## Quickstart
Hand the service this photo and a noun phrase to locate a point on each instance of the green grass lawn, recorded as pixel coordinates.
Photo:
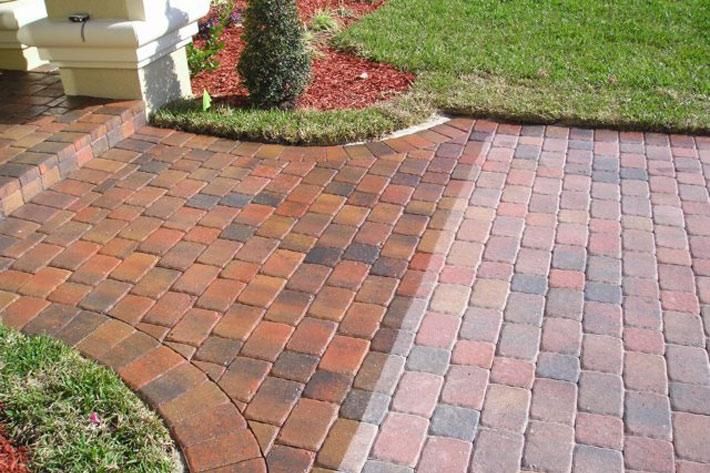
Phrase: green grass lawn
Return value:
(48, 393)
(628, 64)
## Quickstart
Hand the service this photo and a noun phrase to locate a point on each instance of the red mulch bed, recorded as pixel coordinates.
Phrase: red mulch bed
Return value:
(338, 81)
(12, 459)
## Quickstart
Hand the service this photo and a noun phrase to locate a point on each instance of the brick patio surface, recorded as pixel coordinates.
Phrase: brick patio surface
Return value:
(478, 297)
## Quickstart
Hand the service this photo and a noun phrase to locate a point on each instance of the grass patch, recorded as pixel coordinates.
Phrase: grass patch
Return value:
(324, 20)
(48, 393)
(629, 64)
(298, 127)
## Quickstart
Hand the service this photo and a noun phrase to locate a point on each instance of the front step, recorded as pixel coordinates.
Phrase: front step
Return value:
(45, 135)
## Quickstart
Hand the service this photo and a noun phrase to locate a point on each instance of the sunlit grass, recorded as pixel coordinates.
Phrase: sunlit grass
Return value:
(76, 416)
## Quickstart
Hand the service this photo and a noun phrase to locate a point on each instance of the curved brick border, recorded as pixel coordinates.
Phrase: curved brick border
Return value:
(209, 429)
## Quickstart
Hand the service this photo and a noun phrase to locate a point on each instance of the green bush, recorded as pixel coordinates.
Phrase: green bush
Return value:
(275, 64)
(204, 58)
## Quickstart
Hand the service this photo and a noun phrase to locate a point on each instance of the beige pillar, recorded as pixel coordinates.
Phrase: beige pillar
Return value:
(129, 49)
(14, 14)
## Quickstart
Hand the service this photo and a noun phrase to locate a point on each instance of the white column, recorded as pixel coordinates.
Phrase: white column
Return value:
(128, 49)
(14, 14)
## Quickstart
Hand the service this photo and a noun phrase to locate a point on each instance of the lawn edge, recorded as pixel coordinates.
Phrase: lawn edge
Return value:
(400, 118)
(412, 108)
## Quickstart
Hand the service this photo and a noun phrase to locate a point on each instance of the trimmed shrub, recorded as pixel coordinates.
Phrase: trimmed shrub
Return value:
(275, 64)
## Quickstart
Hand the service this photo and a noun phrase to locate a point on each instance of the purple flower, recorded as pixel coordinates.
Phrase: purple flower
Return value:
(234, 18)
(203, 30)
(206, 27)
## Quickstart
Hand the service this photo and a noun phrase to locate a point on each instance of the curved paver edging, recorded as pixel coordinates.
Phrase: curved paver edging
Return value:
(432, 121)
(208, 428)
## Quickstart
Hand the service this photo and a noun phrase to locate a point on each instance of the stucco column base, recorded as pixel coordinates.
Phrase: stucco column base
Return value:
(156, 83)
(15, 14)
(22, 58)
(139, 57)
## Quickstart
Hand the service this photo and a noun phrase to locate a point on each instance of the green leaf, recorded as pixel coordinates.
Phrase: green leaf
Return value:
(206, 101)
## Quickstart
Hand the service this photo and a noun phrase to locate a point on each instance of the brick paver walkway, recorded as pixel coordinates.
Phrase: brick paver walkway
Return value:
(477, 297)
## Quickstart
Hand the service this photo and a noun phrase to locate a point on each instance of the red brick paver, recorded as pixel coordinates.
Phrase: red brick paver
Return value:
(478, 297)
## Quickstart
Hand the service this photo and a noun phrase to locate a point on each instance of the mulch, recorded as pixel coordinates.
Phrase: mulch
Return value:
(339, 80)
(12, 459)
